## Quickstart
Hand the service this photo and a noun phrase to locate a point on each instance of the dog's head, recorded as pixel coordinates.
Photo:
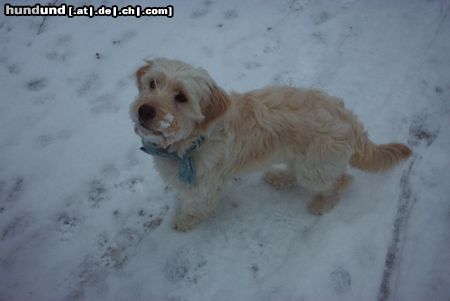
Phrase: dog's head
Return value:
(175, 101)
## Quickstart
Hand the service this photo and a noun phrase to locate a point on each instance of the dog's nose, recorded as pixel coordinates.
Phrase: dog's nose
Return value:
(146, 112)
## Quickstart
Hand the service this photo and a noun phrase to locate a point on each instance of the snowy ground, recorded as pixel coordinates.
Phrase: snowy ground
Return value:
(84, 216)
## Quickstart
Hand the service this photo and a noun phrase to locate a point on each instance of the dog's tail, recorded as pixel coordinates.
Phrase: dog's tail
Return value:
(371, 157)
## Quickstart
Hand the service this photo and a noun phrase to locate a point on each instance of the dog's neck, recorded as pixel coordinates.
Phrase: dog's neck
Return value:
(186, 169)
(181, 146)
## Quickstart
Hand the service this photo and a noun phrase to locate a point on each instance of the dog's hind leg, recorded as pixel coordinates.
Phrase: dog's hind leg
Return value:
(280, 179)
(323, 170)
(326, 200)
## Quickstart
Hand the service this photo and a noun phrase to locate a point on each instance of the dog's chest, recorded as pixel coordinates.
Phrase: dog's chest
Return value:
(208, 161)
(167, 168)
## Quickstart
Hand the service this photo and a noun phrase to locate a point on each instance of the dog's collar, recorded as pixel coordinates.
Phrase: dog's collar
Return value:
(186, 170)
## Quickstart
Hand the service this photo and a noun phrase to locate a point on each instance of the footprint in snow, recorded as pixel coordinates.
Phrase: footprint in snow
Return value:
(321, 18)
(203, 11)
(45, 140)
(422, 130)
(97, 194)
(252, 65)
(230, 14)
(341, 280)
(67, 223)
(37, 84)
(152, 221)
(11, 190)
(90, 83)
(104, 104)
(184, 265)
(14, 69)
(17, 226)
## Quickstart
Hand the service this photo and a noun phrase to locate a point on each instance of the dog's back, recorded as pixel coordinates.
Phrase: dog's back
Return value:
(279, 116)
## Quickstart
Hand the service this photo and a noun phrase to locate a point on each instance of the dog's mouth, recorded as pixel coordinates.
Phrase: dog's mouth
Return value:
(142, 130)
(153, 136)
(149, 130)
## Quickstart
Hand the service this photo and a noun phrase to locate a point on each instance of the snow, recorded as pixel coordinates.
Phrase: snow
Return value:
(166, 122)
(84, 216)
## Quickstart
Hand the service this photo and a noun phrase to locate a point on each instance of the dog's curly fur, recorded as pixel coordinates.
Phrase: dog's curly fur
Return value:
(312, 133)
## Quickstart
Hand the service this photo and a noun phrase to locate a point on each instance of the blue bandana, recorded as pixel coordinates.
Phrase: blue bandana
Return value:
(186, 171)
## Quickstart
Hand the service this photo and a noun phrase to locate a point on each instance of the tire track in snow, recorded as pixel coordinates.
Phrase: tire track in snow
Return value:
(406, 200)
(422, 132)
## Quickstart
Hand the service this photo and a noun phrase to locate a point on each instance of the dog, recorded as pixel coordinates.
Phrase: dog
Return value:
(201, 136)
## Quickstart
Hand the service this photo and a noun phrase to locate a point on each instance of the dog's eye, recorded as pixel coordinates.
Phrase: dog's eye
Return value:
(152, 84)
(180, 97)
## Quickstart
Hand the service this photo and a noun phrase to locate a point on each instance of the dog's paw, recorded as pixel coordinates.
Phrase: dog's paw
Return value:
(185, 222)
(280, 179)
(322, 204)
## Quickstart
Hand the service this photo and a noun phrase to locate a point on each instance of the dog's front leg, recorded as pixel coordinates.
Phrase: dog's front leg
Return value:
(195, 205)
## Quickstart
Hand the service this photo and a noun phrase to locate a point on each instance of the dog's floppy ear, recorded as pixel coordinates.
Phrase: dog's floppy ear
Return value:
(141, 71)
(216, 105)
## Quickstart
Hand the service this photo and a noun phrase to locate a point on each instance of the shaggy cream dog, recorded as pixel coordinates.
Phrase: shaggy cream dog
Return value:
(201, 136)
